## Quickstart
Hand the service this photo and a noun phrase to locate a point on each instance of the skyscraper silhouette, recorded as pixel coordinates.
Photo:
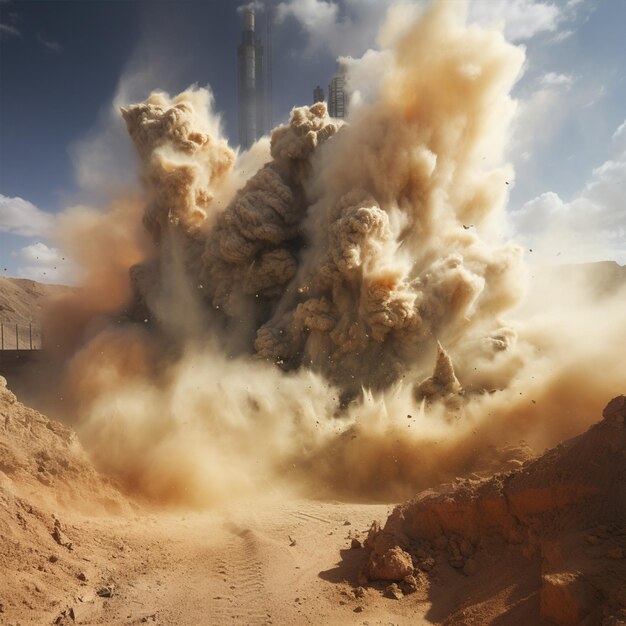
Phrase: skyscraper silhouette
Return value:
(337, 99)
(253, 116)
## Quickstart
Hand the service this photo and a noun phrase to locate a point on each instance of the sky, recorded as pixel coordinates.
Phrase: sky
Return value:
(66, 66)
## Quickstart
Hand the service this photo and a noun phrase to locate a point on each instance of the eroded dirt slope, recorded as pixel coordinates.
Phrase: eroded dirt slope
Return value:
(544, 544)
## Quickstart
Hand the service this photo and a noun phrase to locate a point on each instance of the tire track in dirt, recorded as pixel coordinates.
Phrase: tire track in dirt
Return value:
(246, 599)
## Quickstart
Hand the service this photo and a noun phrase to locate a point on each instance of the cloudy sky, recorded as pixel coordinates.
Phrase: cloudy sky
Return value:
(65, 67)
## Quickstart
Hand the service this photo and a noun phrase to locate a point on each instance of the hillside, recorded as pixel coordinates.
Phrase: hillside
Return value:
(23, 302)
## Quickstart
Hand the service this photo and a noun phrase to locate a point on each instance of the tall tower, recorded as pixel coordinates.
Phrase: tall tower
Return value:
(252, 110)
(269, 89)
(337, 97)
(318, 94)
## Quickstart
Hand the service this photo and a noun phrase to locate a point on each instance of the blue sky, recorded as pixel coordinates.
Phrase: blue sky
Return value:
(64, 65)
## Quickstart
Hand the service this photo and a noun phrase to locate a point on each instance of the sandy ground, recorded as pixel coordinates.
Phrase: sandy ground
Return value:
(271, 562)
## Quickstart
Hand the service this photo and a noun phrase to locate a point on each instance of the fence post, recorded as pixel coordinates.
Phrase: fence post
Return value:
(30, 334)
(17, 339)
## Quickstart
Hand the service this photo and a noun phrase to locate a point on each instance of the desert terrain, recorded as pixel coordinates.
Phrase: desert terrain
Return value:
(317, 381)
(543, 541)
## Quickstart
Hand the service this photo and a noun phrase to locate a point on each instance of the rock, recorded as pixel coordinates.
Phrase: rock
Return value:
(65, 617)
(514, 464)
(372, 533)
(60, 537)
(566, 599)
(457, 563)
(53, 558)
(394, 592)
(358, 609)
(359, 592)
(615, 412)
(394, 564)
(82, 576)
(418, 584)
(426, 564)
(469, 569)
(409, 585)
(355, 544)
(106, 591)
(347, 523)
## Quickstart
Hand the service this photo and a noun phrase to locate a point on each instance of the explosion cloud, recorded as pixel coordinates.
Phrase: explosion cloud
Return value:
(285, 322)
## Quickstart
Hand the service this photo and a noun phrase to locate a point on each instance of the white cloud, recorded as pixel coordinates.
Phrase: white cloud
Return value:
(554, 79)
(20, 217)
(562, 36)
(520, 19)
(619, 138)
(315, 16)
(39, 252)
(538, 117)
(348, 27)
(542, 113)
(592, 226)
(340, 29)
(45, 264)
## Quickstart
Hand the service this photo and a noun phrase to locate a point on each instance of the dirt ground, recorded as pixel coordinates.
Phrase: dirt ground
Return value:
(74, 550)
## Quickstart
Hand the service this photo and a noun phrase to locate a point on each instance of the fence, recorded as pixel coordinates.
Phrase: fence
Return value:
(20, 336)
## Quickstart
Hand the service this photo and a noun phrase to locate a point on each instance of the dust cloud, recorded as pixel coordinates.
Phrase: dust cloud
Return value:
(333, 310)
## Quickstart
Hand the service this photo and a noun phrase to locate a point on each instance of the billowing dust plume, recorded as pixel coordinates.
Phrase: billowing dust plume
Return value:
(279, 313)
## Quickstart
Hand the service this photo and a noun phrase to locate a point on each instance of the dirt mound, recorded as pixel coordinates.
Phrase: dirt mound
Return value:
(550, 536)
(42, 460)
(45, 478)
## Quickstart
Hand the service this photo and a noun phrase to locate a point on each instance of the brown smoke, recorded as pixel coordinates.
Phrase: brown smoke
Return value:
(287, 322)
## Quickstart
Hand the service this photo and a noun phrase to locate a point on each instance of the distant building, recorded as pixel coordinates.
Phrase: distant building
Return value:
(253, 116)
(318, 94)
(337, 97)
